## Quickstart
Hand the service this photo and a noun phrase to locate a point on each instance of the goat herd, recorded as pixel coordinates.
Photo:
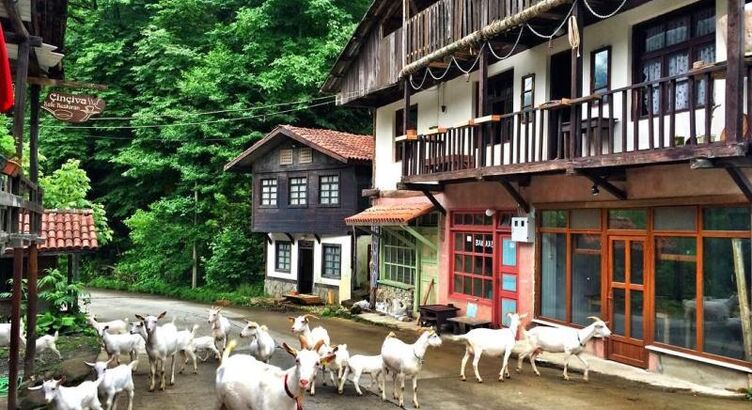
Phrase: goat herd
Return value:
(248, 381)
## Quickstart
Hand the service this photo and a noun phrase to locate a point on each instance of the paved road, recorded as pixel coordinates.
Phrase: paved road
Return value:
(439, 386)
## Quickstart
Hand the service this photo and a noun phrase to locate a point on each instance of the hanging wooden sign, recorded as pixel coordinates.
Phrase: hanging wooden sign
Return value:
(73, 108)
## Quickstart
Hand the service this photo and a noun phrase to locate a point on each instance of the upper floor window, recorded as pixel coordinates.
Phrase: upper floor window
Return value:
(668, 46)
(285, 157)
(329, 190)
(283, 256)
(600, 70)
(269, 192)
(299, 191)
(331, 261)
(528, 91)
(399, 128)
(305, 156)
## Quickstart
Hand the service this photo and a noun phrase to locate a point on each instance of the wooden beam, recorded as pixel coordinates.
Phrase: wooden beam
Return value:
(410, 186)
(34, 106)
(609, 187)
(290, 237)
(367, 230)
(521, 202)
(22, 72)
(370, 193)
(268, 239)
(49, 82)
(18, 25)
(734, 71)
(436, 204)
(318, 238)
(13, 38)
(15, 330)
(400, 237)
(741, 181)
(414, 232)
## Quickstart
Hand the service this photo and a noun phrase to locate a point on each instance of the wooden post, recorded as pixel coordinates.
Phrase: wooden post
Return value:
(375, 245)
(31, 309)
(405, 125)
(735, 71)
(743, 295)
(575, 121)
(34, 96)
(22, 72)
(15, 331)
(483, 109)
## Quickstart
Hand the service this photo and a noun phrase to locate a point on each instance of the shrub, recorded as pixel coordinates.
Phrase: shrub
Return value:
(234, 252)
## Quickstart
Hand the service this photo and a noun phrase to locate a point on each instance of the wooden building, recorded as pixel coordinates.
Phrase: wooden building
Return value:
(305, 182)
(587, 157)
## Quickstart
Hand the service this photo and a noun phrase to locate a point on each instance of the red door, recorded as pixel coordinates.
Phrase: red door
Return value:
(507, 279)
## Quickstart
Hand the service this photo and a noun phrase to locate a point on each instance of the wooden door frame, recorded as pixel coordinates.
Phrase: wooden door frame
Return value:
(645, 288)
(498, 260)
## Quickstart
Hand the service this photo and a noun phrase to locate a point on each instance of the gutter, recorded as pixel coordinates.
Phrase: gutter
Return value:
(491, 30)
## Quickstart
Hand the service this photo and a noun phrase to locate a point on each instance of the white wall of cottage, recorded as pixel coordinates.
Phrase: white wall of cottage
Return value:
(457, 95)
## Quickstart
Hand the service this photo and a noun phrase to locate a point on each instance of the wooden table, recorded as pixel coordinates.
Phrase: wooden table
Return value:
(437, 315)
(466, 324)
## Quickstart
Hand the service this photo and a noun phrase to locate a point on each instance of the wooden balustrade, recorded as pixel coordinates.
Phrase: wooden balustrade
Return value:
(447, 21)
(663, 114)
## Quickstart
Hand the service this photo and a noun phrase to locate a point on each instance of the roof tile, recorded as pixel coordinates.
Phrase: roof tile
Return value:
(66, 230)
(393, 214)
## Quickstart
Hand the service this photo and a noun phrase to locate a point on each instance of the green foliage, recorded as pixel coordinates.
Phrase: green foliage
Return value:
(67, 188)
(240, 296)
(61, 295)
(167, 62)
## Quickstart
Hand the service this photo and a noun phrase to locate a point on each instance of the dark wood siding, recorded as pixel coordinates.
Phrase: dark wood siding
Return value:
(313, 217)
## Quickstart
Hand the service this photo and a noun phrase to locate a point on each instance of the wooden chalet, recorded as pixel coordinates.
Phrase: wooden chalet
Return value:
(305, 182)
(34, 31)
(586, 157)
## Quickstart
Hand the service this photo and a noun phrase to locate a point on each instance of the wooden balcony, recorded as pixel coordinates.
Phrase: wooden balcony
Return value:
(447, 21)
(20, 211)
(640, 124)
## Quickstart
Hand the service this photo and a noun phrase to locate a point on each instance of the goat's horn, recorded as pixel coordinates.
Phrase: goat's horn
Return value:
(595, 318)
(318, 345)
(303, 342)
(309, 316)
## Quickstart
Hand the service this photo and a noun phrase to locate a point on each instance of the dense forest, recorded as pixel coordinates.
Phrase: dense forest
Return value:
(192, 83)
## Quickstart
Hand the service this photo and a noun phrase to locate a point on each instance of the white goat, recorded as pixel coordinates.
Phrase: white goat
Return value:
(185, 347)
(559, 339)
(718, 309)
(47, 342)
(161, 344)
(114, 326)
(359, 365)
(83, 396)
(406, 360)
(116, 344)
(220, 326)
(243, 382)
(5, 334)
(262, 343)
(300, 326)
(493, 342)
(114, 382)
(205, 344)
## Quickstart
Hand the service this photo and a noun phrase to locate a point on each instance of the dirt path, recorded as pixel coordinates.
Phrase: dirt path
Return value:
(439, 385)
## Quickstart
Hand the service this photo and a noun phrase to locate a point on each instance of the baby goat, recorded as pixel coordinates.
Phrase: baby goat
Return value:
(115, 381)
(47, 342)
(359, 365)
(83, 396)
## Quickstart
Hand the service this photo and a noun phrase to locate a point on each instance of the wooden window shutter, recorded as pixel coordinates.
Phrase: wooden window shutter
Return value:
(306, 156)
(285, 157)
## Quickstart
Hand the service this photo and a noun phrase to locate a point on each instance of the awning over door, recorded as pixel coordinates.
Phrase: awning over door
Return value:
(397, 214)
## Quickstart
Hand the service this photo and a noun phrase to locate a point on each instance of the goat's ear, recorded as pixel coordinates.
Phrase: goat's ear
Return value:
(105, 328)
(161, 315)
(61, 381)
(291, 319)
(328, 358)
(303, 342)
(139, 317)
(335, 348)
(290, 350)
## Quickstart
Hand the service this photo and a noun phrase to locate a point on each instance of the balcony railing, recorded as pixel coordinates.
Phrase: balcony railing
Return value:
(666, 116)
(447, 21)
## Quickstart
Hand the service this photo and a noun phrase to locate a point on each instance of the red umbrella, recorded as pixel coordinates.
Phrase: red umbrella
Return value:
(6, 78)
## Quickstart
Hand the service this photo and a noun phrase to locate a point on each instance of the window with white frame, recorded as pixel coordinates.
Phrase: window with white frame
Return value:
(329, 190)
(283, 256)
(331, 261)
(269, 192)
(298, 191)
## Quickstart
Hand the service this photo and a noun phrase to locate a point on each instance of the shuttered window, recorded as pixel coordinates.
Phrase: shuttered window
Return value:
(305, 156)
(285, 157)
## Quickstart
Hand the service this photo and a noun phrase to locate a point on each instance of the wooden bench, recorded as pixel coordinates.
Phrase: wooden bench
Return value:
(466, 324)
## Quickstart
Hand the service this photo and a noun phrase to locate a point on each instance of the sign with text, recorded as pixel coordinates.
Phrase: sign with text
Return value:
(73, 108)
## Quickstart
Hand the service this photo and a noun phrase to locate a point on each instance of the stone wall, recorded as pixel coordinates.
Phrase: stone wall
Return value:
(278, 287)
(322, 291)
(391, 292)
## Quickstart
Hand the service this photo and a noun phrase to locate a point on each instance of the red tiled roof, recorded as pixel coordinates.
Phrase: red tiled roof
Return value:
(342, 146)
(67, 230)
(392, 214)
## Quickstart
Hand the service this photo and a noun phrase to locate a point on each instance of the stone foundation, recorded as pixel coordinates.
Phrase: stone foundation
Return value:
(277, 287)
(322, 291)
(391, 292)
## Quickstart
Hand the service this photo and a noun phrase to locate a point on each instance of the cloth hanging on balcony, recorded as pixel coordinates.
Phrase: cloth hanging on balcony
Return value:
(574, 34)
(6, 78)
